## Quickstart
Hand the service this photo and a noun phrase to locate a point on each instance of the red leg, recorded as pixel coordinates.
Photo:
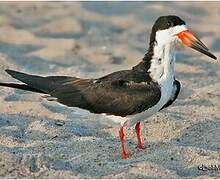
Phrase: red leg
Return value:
(124, 154)
(137, 130)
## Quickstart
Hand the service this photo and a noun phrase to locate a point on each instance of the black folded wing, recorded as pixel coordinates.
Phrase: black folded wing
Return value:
(119, 97)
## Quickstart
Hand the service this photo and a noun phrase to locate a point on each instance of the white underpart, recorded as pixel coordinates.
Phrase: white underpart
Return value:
(161, 71)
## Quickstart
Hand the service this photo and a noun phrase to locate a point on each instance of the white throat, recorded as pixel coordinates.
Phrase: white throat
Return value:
(163, 61)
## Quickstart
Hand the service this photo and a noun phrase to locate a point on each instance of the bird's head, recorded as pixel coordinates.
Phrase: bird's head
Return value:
(171, 30)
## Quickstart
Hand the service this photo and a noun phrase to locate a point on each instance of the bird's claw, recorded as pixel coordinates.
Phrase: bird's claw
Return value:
(124, 155)
(140, 146)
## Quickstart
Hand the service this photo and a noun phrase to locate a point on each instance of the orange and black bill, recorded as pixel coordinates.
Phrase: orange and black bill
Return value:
(190, 40)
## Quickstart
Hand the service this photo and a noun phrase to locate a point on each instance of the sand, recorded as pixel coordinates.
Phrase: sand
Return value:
(40, 139)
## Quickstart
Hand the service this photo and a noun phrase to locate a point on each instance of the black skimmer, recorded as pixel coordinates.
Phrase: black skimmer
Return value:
(129, 96)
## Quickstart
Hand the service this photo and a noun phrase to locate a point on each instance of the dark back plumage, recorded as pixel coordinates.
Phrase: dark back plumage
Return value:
(121, 93)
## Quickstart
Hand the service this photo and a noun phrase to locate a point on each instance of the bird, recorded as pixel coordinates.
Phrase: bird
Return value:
(126, 97)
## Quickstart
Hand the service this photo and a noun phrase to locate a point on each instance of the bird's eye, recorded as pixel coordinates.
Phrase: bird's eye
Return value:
(169, 24)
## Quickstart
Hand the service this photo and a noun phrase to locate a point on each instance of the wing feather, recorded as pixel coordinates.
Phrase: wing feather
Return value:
(118, 97)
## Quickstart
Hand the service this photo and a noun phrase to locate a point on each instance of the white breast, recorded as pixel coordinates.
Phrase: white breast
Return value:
(166, 92)
(130, 120)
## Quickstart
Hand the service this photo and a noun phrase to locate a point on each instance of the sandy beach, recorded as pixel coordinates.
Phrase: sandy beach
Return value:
(41, 139)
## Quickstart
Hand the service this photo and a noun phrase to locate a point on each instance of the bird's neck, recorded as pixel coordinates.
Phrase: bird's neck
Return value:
(159, 61)
(162, 62)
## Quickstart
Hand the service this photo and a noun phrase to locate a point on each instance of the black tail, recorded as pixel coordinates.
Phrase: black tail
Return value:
(22, 86)
(36, 83)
